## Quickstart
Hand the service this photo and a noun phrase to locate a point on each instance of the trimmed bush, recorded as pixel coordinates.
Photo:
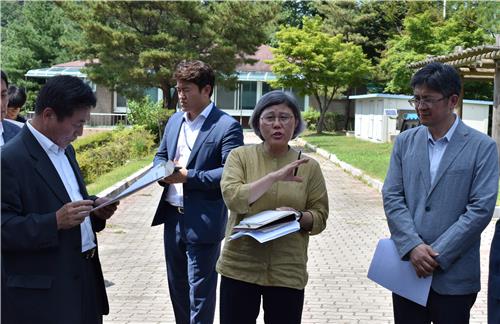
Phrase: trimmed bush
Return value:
(93, 140)
(150, 115)
(119, 147)
(333, 121)
(311, 118)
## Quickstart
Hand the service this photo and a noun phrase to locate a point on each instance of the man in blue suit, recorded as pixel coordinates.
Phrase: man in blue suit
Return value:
(7, 129)
(439, 195)
(198, 140)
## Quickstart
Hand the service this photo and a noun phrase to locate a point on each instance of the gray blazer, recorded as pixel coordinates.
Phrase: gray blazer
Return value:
(449, 214)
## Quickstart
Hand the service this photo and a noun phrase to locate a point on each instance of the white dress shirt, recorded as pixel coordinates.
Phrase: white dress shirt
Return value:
(187, 137)
(68, 178)
(2, 142)
(438, 147)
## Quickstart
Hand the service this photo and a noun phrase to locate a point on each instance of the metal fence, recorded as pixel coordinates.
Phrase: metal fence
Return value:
(99, 119)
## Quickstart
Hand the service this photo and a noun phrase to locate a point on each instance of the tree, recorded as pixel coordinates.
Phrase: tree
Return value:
(316, 63)
(427, 33)
(293, 12)
(34, 35)
(365, 23)
(139, 43)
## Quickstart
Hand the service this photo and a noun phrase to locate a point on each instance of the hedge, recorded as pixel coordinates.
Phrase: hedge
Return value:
(100, 153)
(333, 121)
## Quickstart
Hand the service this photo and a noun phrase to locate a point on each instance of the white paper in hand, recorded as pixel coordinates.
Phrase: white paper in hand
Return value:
(155, 173)
(388, 270)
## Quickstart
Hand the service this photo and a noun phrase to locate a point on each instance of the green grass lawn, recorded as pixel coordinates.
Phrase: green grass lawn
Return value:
(372, 158)
(118, 174)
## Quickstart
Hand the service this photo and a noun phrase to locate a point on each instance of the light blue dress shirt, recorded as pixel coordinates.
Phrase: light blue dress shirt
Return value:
(438, 147)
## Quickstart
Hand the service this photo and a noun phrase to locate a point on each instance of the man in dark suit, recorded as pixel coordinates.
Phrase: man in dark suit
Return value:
(199, 140)
(50, 265)
(7, 130)
(494, 279)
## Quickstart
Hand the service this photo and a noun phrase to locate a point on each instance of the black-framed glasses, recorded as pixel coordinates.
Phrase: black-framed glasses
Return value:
(270, 119)
(429, 102)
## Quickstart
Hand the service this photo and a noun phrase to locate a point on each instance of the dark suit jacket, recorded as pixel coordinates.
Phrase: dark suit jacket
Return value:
(9, 130)
(41, 266)
(205, 213)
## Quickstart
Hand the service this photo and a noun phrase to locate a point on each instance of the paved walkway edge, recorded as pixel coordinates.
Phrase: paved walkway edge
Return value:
(377, 184)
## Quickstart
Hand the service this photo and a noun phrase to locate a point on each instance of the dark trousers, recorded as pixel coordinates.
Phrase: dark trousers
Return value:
(240, 303)
(441, 309)
(192, 279)
(92, 300)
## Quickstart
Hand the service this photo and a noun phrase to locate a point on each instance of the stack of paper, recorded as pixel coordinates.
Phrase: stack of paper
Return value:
(388, 270)
(267, 225)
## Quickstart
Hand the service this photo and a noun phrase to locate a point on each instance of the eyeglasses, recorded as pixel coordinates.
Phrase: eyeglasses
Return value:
(268, 120)
(416, 102)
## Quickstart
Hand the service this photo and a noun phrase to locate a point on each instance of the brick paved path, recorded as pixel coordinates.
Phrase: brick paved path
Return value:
(338, 290)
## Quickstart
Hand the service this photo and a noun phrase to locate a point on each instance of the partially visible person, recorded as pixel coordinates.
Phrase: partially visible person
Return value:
(262, 177)
(51, 272)
(7, 130)
(199, 139)
(494, 279)
(439, 195)
(17, 99)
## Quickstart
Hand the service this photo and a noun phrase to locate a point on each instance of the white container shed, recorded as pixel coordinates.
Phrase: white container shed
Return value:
(376, 115)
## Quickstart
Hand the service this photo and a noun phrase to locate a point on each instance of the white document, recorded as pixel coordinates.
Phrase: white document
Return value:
(155, 173)
(269, 233)
(388, 270)
(263, 218)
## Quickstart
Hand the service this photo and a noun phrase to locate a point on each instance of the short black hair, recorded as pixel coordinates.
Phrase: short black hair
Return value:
(276, 97)
(64, 94)
(438, 77)
(198, 72)
(17, 97)
(4, 77)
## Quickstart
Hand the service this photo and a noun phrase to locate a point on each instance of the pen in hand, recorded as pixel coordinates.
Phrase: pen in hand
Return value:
(297, 168)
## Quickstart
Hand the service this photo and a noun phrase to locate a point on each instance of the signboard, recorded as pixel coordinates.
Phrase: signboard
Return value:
(391, 112)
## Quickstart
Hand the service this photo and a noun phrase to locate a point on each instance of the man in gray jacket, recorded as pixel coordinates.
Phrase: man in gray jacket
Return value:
(439, 195)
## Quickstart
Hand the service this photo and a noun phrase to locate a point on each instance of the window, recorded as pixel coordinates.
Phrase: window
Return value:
(120, 103)
(225, 98)
(266, 87)
(248, 95)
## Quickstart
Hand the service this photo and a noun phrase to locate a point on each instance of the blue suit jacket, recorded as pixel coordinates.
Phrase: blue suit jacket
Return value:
(42, 268)
(449, 214)
(205, 214)
(9, 130)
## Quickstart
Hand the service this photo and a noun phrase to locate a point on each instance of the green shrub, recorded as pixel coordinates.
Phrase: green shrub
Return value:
(311, 118)
(93, 140)
(123, 145)
(332, 122)
(149, 114)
